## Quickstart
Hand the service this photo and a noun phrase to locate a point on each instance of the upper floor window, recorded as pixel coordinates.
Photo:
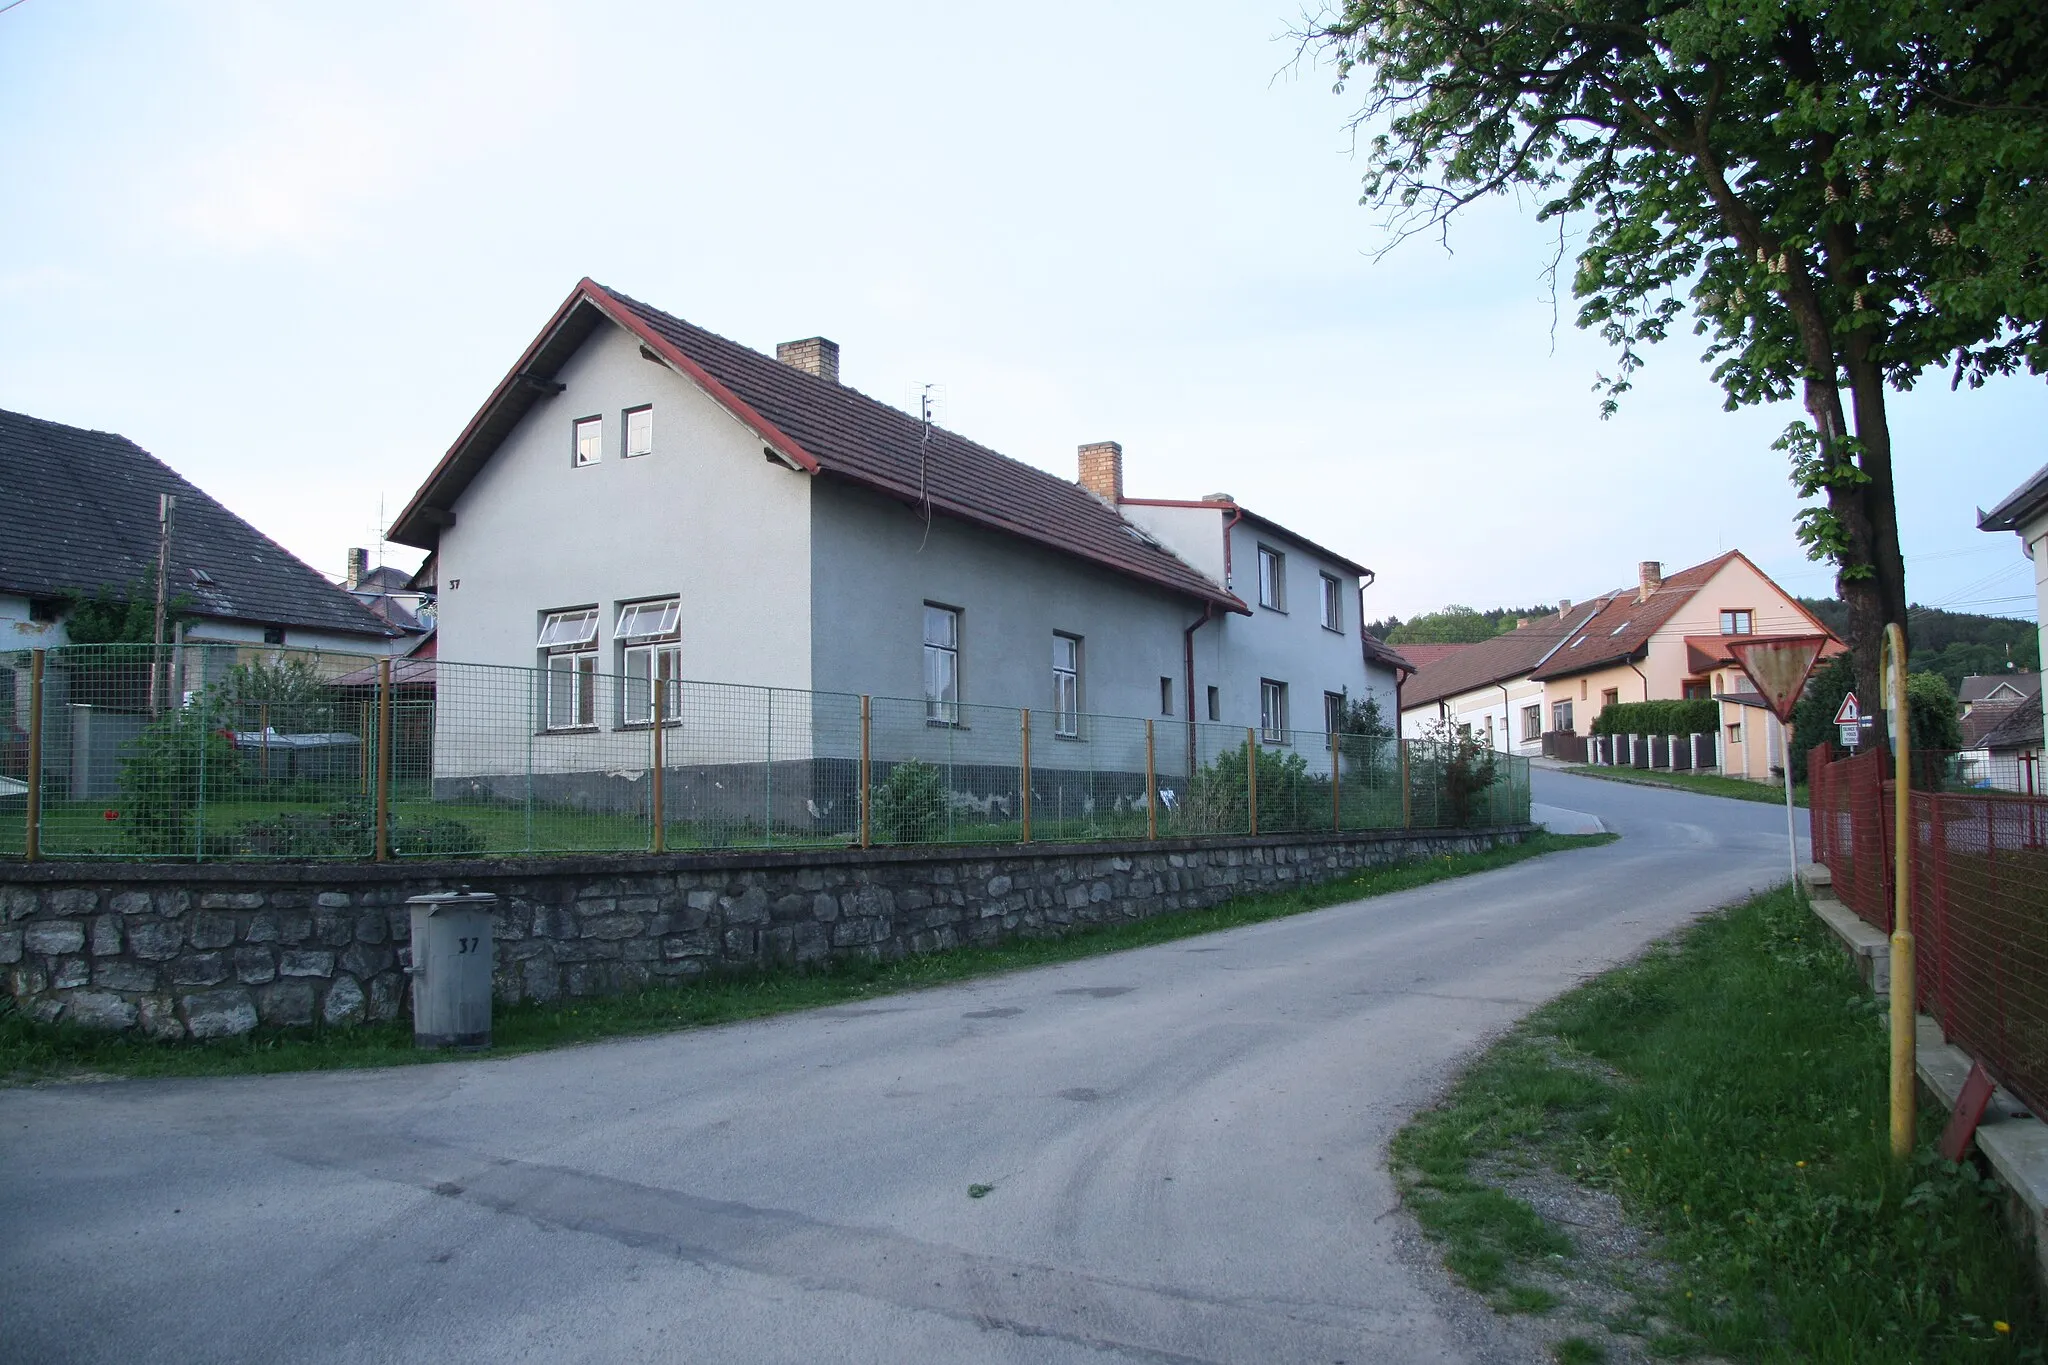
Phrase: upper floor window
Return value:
(1273, 711)
(1735, 623)
(1272, 579)
(589, 440)
(568, 642)
(639, 431)
(1333, 603)
(1066, 686)
(941, 665)
(650, 650)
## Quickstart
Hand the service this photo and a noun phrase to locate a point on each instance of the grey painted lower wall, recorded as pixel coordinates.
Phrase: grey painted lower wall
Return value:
(206, 951)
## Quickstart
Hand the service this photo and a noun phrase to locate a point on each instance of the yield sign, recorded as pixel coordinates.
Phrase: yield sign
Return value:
(1779, 665)
(1849, 713)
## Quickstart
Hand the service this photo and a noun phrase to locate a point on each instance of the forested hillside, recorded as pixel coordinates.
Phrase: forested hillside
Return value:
(1953, 644)
(1454, 625)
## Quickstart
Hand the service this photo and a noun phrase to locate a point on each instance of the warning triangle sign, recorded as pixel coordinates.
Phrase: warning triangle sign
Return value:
(1849, 712)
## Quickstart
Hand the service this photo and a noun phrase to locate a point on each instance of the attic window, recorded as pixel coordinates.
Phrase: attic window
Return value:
(568, 629)
(202, 577)
(642, 621)
(1619, 629)
(1576, 643)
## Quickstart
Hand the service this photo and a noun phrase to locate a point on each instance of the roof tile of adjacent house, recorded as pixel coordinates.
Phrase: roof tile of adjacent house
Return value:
(1512, 655)
(80, 513)
(825, 428)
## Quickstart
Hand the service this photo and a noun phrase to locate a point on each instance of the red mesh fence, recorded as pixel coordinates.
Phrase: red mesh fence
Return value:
(1979, 898)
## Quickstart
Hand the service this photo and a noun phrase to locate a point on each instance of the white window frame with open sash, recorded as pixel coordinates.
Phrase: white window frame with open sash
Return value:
(1066, 685)
(649, 634)
(568, 647)
(1332, 603)
(1272, 579)
(941, 664)
(1273, 711)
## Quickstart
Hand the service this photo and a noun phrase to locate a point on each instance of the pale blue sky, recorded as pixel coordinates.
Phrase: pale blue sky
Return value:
(290, 249)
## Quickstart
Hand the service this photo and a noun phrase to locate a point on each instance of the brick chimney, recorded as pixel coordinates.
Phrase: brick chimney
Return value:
(812, 355)
(1564, 605)
(1649, 577)
(358, 566)
(1102, 470)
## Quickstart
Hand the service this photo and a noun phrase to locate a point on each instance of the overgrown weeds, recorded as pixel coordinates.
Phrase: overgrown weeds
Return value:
(1730, 1090)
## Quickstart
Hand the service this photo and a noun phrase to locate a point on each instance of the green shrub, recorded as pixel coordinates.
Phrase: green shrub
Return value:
(1698, 716)
(910, 804)
(1290, 797)
(1452, 773)
(345, 831)
(176, 762)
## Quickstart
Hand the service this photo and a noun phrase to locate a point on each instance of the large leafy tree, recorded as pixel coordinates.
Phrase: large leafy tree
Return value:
(1846, 195)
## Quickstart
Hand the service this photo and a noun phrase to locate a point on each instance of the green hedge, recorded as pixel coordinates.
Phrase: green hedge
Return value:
(1698, 717)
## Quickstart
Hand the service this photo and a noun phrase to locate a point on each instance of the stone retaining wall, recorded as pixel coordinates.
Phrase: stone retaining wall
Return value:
(213, 950)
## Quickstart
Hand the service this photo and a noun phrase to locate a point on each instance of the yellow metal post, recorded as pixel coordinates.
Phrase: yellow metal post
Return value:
(867, 781)
(1904, 1097)
(660, 818)
(1024, 775)
(384, 760)
(1151, 787)
(1251, 774)
(1336, 786)
(32, 834)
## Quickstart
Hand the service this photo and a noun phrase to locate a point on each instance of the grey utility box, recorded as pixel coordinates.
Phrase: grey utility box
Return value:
(451, 968)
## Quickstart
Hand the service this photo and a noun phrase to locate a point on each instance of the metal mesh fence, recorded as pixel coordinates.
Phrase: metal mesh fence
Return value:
(1978, 895)
(255, 752)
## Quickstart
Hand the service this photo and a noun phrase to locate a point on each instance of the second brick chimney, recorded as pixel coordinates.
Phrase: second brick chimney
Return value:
(812, 355)
(1102, 470)
(1649, 577)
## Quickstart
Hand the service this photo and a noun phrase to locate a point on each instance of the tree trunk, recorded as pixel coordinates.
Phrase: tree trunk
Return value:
(1878, 598)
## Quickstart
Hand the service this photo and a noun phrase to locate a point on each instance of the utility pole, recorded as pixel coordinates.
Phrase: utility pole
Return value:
(166, 508)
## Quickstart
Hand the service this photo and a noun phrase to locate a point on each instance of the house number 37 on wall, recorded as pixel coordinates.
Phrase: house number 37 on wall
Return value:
(467, 945)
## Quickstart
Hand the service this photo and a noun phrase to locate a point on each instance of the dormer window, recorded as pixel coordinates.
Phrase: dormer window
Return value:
(589, 448)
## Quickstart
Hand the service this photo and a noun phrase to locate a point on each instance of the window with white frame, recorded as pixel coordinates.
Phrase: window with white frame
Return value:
(1273, 711)
(1532, 723)
(639, 431)
(1333, 712)
(568, 645)
(1333, 604)
(941, 665)
(649, 636)
(589, 446)
(1736, 623)
(1272, 578)
(1066, 685)
(1560, 715)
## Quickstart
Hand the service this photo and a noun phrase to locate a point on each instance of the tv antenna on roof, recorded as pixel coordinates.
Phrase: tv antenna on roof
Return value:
(924, 456)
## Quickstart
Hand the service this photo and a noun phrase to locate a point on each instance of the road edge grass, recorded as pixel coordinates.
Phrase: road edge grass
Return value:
(1701, 784)
(1728, 1090)
(31, 1051)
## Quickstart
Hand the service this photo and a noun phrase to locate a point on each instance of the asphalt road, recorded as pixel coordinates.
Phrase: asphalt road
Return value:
(1185, 1144)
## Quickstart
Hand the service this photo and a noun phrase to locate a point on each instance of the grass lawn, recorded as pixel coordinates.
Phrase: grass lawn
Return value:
(1730, 1091)
(1707, 784)
(31, 1051)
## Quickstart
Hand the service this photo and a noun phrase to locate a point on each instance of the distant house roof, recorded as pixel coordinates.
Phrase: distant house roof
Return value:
(1513, 655)
(2020, 728)
(383, 578)
(1422, 656)
(818, 426)
(2021, 506)
(1621, 631)
(1378, 651)
(1979, 687)
(80, 514)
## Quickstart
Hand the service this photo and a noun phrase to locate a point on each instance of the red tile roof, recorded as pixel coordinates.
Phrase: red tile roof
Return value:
(1512, 655)
(1422, 656)
(821, 427)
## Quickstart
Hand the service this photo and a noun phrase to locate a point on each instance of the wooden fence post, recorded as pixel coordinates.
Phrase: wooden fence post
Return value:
(1151, 787)
(867, 782)
(384, 760)
(1251, 774)
(1024, 773)
(660, 816)
(32, 833)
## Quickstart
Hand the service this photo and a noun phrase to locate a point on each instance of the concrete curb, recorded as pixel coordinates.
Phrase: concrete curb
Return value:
(2013, 1140)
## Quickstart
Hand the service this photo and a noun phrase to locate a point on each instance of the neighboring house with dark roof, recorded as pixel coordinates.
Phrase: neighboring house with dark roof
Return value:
(1668, 639)
(2024, 512)
(639, 495)
(1489, 686)
(80, 514)
(1980, 689)
(393, 596)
